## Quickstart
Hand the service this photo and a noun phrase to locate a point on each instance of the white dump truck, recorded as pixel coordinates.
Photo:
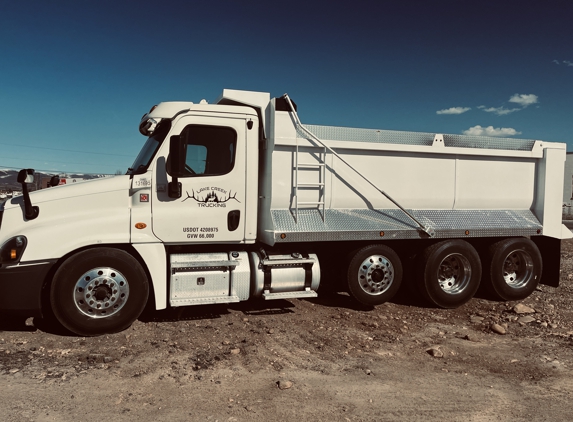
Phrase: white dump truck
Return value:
(238, 199)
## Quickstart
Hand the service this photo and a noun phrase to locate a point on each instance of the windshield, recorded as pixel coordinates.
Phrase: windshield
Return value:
(150, 148)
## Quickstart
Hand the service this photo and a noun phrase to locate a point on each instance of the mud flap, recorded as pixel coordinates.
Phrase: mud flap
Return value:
(550, 249)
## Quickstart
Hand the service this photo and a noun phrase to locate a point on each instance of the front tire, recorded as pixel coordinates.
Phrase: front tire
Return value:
(514, 269)
(449, 273)
(99, 291)
(374, 275)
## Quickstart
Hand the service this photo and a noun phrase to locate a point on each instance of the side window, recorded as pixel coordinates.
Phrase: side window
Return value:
(209, 150)
(196, 158)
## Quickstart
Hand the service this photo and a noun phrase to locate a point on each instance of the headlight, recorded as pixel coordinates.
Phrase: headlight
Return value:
(11, 251)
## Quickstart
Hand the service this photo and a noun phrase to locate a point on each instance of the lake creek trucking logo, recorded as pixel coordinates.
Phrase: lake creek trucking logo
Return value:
(211, 197)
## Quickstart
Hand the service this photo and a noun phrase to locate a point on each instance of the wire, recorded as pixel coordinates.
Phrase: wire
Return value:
(64, 162)
(52, 171)
(66, 150)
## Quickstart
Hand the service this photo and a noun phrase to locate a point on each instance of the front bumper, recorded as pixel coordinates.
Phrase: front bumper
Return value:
(21, 287)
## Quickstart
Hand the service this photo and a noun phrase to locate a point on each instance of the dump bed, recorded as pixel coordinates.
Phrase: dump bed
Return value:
(458, 186)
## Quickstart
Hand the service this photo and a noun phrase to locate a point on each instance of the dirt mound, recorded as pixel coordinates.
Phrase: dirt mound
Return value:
(321, 359)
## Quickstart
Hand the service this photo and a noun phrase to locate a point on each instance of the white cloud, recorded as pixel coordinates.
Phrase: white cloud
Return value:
(500, 111)
(491, 131)
(523, 100)
(454, 110)
(565, 62)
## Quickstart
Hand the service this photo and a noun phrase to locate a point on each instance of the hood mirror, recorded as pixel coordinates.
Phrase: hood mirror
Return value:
(26, 176)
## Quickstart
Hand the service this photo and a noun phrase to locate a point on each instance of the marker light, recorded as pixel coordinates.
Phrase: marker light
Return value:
(12, 250)
(140, 226)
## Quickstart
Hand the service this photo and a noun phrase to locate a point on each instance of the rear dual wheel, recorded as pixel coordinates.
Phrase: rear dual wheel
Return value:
(374, 274)
(513, 268)
(449, 273)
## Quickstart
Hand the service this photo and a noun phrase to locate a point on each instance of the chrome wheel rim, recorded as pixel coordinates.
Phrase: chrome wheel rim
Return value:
(454, 273)
(517, 269)
(375, 275)
(101, 292)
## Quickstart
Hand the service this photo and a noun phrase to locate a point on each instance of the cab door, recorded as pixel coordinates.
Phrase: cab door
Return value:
(212, 205)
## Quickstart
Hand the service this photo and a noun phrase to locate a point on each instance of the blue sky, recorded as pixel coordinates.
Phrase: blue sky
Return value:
(76, 76)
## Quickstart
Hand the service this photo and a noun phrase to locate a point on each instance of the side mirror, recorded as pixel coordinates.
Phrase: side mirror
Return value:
(176, 167)
(26, 176)
(54, 181)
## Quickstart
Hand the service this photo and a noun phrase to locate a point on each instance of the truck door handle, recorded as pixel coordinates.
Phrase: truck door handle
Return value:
(233, 219)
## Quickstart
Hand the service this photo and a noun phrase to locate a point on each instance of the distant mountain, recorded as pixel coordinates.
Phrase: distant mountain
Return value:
(8, 178)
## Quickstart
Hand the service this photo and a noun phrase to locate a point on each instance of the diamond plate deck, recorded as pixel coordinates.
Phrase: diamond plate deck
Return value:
(366, 224)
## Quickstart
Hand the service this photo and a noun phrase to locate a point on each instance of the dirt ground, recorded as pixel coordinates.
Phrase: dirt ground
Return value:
(313, 360)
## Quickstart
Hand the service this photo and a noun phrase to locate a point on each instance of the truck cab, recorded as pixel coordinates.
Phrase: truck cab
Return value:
(207, 191)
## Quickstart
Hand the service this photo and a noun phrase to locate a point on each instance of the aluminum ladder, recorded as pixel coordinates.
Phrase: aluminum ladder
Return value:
(319, 186)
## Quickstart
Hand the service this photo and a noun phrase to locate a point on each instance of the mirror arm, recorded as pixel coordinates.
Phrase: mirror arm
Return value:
(174, 188)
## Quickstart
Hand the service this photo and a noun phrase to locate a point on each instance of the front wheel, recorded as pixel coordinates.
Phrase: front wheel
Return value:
(99, 291)
(374, 275)
(449, 273)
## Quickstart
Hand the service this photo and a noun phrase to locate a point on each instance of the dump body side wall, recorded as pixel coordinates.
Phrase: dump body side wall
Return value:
(422, 175)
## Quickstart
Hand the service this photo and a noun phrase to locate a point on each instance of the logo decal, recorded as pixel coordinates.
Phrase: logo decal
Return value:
(214, 197)
(143, 197)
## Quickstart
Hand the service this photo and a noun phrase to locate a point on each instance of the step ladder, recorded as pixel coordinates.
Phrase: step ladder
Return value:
(302, 294)
(296, 260)
(319, 185)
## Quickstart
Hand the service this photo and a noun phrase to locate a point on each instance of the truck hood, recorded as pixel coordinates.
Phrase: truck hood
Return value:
(77, 190)
(71, 217)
